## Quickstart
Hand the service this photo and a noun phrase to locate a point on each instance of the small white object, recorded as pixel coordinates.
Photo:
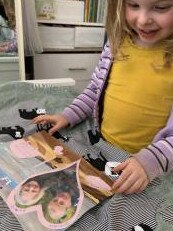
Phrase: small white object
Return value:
(109, 166)
(41, 111)
(18, 134)
(138, 228)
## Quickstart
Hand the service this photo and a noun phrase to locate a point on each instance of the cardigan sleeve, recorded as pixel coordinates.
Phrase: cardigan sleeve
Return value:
(83, 105)
(157, 158)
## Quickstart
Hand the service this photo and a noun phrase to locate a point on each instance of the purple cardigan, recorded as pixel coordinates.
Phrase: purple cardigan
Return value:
(157, 158)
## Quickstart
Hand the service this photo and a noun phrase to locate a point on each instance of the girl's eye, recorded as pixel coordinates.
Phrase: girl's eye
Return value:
(132, 5)
(162, 8)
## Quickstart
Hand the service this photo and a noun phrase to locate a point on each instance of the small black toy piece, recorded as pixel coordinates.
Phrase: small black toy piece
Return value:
(93, 138)
(29, 115)
(16, 132)
(98, 162)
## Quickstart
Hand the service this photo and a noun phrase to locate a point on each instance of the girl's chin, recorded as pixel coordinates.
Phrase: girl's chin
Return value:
(144, 42)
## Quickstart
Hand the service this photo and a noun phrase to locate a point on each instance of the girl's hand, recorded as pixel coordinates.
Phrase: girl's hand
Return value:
(133, 178)
(57, 121)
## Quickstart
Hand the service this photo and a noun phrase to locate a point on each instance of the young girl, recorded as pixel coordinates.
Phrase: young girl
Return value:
(131, 91)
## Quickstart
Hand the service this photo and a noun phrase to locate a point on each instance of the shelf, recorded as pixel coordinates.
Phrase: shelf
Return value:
(4, 59)
(92, 24)
(71, 50)
(58, 82)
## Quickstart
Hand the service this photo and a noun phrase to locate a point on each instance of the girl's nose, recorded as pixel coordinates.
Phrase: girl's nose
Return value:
(144, 18)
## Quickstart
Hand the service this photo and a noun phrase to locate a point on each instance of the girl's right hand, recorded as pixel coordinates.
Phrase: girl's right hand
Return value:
(57, 121)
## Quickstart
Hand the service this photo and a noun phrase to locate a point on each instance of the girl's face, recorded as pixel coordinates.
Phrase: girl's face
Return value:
(151, 20)
(30, 190)
(58, 205)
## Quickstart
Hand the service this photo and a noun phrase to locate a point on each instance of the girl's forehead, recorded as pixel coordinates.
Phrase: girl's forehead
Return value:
(150, 1)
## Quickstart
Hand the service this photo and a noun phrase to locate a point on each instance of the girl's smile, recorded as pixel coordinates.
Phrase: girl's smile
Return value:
(147, 34)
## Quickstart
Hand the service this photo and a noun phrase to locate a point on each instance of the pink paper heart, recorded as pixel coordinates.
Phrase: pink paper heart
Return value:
(22, 149)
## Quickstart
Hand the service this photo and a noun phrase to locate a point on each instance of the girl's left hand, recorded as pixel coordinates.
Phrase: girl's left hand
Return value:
(133, 178)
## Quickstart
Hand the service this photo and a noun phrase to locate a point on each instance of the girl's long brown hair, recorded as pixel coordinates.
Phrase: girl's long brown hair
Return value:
(117, 29)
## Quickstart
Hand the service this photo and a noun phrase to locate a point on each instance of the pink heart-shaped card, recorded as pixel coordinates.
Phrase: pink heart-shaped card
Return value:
(56, 196)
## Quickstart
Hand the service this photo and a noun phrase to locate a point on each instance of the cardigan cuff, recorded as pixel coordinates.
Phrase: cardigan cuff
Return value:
(71, 117)
(149, 163)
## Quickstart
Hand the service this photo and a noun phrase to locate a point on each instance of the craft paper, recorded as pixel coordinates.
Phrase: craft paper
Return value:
(6, 181)
(22, 149)
(56, 196)
(97, 183)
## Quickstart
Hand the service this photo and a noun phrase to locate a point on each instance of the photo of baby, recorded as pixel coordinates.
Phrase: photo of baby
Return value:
(60, 206)
(63, 203)
(30, 193)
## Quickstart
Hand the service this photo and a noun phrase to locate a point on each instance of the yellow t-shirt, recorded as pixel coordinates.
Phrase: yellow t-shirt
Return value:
(138, 98)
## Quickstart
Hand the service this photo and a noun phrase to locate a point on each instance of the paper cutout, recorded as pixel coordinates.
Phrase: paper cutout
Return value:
(98, 162)
(6, 181)
(58, 135)
(94, 136)
(98, 183)
(58, 150)
(56, 196)
(22, 149)
(16, 132)
(109, 168)
(142, 227)
(29, 115)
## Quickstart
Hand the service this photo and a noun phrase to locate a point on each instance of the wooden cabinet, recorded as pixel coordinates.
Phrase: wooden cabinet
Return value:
(12, 62)
(66, 65)
(71, 47)
(9, 69)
